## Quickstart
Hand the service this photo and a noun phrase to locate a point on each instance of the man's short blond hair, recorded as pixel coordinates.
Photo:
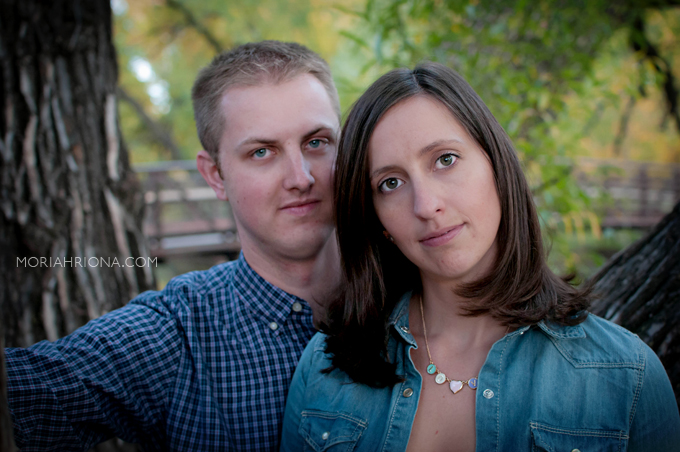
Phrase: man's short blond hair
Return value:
(251, 64)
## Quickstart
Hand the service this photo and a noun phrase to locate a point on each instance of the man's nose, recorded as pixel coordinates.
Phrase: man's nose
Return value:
(298, 172)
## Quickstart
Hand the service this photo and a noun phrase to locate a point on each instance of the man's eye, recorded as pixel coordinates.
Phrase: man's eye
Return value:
(260, 153)
(390, 184)
(446, 160)
(315, 144)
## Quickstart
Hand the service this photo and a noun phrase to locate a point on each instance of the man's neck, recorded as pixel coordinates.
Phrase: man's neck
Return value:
(314, 279)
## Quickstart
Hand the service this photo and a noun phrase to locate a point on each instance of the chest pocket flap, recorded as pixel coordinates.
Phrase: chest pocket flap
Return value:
(324, 431)
(556, 439)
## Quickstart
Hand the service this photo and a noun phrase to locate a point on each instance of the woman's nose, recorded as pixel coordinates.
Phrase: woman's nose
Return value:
(427, 202)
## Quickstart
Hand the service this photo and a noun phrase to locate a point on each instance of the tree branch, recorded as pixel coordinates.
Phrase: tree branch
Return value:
(623, 126)
(640, 43)
(564, 172)
(157, 130)
(195, 24)
(639, 289)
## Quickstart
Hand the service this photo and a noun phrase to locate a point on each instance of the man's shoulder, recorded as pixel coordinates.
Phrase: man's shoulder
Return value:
(204, 281)
(189, 288)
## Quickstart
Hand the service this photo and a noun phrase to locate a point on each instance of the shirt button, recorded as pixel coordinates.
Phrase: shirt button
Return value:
(405, 329)
(274, 326)
(488, 393)
(575, 450)
(325, 435)
(408, 392)
(297, 307)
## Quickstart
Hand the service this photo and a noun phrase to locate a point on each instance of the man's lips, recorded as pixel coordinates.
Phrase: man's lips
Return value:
(441, 236)
(301, 206)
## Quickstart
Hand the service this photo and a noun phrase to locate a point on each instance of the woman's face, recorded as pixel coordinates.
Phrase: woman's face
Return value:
(434, 191)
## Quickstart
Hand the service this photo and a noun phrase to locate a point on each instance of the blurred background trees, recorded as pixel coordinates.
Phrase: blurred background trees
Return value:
(584, 88)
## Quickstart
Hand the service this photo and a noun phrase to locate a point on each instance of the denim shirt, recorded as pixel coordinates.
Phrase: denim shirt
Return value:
(589, 387)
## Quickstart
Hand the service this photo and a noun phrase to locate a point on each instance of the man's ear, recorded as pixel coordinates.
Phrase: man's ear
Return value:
(211, 173)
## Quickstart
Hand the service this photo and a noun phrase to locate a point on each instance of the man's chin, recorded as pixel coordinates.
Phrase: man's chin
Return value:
(307, 245)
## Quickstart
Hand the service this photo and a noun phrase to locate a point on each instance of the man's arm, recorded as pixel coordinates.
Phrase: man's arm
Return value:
(109, 378)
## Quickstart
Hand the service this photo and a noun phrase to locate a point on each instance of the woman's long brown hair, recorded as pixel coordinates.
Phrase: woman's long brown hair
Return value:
(520, 290)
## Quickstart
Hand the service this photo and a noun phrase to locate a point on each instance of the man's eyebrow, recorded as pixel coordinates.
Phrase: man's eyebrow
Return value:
(320, 128)
(423, 151)
(255, 140)
(270, 141)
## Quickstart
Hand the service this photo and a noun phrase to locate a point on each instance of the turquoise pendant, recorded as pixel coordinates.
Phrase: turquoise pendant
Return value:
(472, 383)
(431, 369)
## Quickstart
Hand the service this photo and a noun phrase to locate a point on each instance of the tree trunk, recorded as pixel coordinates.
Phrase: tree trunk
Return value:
(6, 428)
(639, 288)
(70, 207)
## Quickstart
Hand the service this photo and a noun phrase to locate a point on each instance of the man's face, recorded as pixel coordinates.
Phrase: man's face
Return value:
(276, 159)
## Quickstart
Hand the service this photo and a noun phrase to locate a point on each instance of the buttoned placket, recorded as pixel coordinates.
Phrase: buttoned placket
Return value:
(275, 325)
(406, 393)
(489, 394)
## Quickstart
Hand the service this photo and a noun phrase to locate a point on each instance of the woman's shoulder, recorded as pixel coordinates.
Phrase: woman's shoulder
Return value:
(318, 342)
(598, 342)
(315, 357)
(614, 338)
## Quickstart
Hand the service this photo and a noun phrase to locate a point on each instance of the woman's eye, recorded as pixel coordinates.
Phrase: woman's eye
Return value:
(261, 153)
(390, 184)
(446, 160)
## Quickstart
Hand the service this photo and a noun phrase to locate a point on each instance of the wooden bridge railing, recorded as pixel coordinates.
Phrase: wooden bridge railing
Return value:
(183, 214)
(637, 194)
(185, 217)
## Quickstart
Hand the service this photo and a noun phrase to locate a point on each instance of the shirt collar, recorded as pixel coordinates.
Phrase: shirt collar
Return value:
(263, 299)
(399, 319)
(557, 331)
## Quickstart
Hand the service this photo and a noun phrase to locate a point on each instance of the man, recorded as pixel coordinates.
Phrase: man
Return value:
(205, 363)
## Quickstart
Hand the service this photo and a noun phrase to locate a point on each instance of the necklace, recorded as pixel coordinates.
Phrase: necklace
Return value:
(441, 378)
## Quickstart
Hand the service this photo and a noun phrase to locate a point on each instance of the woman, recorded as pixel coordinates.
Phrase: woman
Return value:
(451, 333)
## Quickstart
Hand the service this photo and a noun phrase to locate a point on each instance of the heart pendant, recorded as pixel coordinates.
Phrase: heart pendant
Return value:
(456, 386)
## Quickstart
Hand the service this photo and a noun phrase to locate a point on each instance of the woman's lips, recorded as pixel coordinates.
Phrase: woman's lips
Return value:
(442, 236)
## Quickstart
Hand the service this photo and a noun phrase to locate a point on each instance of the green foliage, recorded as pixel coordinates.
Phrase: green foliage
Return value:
(559, 76)
(528, 61)
(178, 37)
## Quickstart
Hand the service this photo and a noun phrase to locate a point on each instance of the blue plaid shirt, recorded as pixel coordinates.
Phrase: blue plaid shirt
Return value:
(204, 365)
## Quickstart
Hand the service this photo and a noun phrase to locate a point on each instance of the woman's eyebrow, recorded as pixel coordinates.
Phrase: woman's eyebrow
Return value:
(438, 143)
(383, 169)
(423, 151)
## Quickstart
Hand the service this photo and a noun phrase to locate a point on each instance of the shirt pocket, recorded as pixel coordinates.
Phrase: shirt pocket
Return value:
(336, 432)
(547, 438)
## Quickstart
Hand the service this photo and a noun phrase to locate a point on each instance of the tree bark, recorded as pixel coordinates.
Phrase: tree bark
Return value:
(67, 188)
(639, 288)
(6, 428)
(70, 206)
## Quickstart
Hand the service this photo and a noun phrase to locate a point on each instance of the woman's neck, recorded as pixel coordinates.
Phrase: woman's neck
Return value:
(445, 319)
